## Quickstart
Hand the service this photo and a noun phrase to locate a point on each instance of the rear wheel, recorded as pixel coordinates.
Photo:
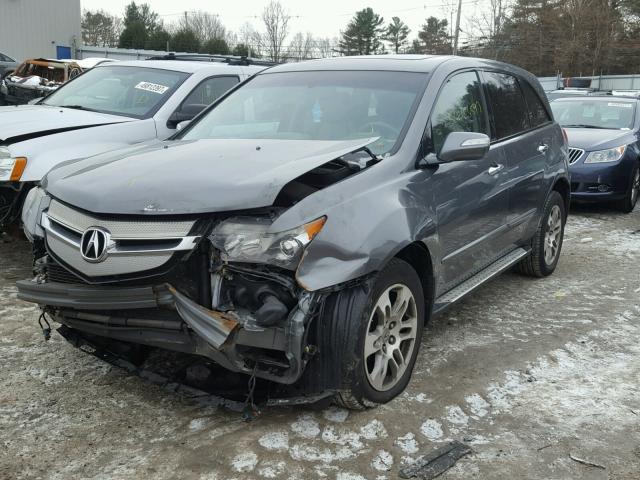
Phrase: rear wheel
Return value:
(628, 203)
(376, 335)
(546, 244)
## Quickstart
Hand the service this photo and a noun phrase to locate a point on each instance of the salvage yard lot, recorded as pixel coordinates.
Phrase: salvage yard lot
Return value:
(529, 373)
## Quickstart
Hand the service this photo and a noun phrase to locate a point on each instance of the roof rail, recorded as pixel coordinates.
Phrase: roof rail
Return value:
(205, 57)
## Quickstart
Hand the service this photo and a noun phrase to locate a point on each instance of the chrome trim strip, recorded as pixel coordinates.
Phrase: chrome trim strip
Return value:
(184, 243)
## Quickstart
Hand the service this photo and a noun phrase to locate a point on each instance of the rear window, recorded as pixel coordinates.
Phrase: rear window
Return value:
(508, 107)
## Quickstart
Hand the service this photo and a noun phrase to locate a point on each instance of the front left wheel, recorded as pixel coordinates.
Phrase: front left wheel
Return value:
(628, 203)
(375, 336)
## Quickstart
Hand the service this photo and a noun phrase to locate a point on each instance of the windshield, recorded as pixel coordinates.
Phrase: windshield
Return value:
(325, 105)
(131, 91)
(585, 113)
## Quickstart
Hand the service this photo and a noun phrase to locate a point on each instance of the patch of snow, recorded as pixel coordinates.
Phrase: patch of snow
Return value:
(407, 444)
(373, 430)
(335, 414)
(244, 462)
(310, 453)
(278, 440)
(342, 437)
(197, 424)
(383, 461)
(306, 426)
(432, 429)
(272, 469)
(478, 405)
(456, 416)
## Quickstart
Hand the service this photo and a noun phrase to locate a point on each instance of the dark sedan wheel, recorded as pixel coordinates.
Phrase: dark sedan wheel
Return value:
(547, 242)
(628, 203)
(375, 336)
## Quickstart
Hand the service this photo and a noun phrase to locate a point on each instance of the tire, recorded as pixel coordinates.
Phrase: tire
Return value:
(352, 318)
(541, 263)
(627, 204)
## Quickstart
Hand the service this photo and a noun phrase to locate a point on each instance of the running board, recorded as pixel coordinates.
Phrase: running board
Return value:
(496, 268)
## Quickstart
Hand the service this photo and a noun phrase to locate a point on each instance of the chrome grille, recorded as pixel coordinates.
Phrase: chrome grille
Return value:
(574, 154)
(134, 246)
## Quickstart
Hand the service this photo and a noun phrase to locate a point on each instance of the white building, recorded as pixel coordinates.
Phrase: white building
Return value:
(39, 28)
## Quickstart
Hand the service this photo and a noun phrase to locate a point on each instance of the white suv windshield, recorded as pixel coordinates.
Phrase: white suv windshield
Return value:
(131, 91)
(324, 105)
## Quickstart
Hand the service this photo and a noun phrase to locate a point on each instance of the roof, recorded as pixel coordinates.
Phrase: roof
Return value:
(406, 63)
(180, 65)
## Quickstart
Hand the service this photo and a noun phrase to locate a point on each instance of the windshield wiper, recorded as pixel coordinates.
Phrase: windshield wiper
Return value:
(78, 107)
(584, 126)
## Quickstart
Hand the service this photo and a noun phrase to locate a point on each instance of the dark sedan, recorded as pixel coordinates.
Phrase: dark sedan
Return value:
(604, 148)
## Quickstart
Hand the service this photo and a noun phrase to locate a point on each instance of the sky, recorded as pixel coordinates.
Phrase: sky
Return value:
(323, 18)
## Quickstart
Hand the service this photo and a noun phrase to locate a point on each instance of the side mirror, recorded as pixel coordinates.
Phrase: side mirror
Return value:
(460, 146)
(186, 112)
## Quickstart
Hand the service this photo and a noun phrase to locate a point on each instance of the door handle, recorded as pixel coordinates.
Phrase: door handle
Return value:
(543, 148)
(495, 168)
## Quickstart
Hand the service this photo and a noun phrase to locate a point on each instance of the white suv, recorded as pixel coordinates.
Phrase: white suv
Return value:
(110, 106)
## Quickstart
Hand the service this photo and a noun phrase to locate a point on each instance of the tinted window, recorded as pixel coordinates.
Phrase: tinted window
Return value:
(537, 113)
(331, 105)
(459, 108)
(507, 104)
(210, 90)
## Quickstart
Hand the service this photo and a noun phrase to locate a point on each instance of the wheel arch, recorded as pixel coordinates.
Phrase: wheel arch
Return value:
(417, 255)
(563, 187)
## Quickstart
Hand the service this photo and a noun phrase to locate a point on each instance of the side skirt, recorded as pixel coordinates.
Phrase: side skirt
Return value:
(496, 268)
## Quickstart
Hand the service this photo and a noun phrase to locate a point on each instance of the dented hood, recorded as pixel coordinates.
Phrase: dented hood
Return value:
(190, 177)
(31, 121)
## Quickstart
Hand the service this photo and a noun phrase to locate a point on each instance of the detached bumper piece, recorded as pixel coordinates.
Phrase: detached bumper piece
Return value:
(160, 316)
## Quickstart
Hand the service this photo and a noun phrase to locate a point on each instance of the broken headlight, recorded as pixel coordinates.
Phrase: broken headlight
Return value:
(34, 203)
(245, 239)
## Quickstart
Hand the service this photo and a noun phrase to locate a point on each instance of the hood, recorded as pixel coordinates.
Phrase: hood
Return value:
(591, 139)
(190, 177)
(30, 121)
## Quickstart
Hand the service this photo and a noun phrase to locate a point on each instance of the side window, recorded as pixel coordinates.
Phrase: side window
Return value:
(459, 108)
(210, 90)
(538, 115)
(507, 104)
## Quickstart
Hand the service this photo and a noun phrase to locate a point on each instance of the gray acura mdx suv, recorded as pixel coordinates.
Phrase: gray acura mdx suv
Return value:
(304, 227)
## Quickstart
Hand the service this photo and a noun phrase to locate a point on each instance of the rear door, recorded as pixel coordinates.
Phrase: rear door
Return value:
(470, 196)
(523, 131)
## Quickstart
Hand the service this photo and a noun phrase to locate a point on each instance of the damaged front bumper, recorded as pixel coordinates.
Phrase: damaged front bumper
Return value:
(161, 316)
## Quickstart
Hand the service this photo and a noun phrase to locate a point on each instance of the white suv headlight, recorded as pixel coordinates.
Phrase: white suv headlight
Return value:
(605, 156)
(34, 203)
(11, 168)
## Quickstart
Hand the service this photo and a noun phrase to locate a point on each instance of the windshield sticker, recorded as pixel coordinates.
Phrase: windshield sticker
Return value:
(622, 105)
(152, 87)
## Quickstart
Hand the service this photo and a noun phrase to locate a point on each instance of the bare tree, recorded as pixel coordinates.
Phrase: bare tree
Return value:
(276, 22)
(325, 47)
(301, 47)
(205, 25)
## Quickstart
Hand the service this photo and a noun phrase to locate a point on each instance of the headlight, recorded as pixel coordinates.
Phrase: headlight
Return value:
(604, 156)
(34, 203)
(245, 239)
(11, 168)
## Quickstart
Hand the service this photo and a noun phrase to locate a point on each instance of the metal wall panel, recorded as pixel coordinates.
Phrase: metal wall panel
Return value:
(34, 28)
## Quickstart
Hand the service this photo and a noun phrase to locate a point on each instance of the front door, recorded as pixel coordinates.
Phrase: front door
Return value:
(471, 197)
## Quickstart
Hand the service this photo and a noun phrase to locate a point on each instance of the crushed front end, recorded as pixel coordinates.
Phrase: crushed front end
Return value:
(217, 286)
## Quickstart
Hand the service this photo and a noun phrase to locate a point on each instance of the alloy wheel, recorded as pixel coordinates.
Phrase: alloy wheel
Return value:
(635, 188)
(391, 337)
(553, 234)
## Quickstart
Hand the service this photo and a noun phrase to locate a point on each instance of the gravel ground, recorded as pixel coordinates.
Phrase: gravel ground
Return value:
(528, 372)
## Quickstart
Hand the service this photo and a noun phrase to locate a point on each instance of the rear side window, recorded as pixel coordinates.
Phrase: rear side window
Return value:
(459, 108)
(508, 107)
(210, 90)
(538, 115)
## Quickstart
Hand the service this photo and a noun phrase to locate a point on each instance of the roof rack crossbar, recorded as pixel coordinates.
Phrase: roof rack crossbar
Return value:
(205, 57)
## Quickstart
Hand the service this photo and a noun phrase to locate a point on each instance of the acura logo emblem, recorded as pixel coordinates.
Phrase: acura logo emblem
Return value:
(94, 244)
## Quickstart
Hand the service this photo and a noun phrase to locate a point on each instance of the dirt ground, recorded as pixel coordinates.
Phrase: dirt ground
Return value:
(529, 373)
